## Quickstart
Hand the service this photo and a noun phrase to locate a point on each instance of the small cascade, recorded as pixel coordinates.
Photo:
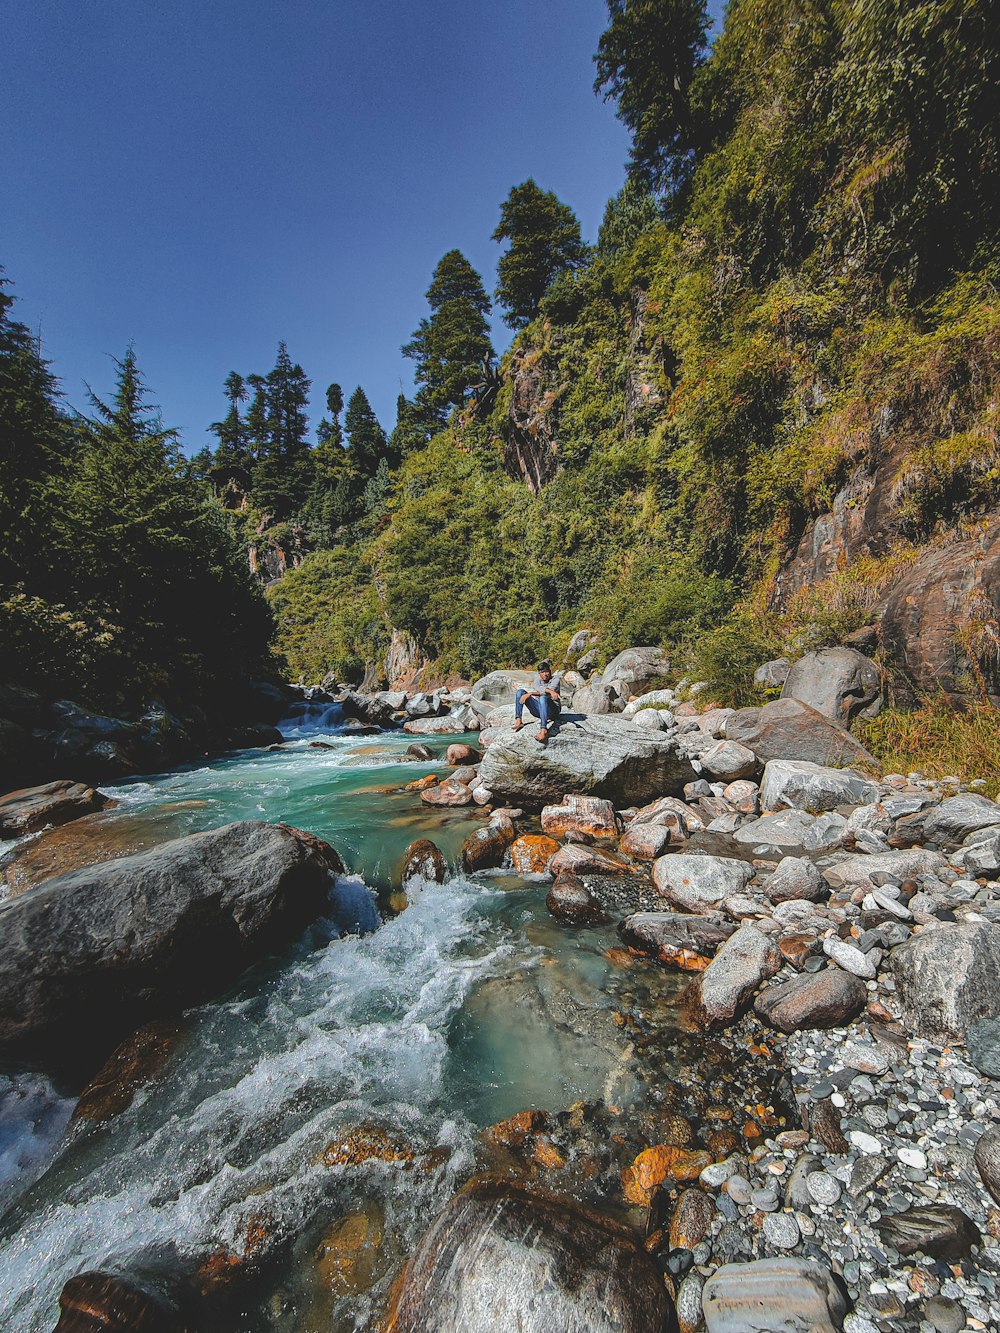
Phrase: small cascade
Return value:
(310, 717)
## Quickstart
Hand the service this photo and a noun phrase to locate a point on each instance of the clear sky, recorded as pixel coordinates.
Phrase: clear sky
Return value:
(206, 177)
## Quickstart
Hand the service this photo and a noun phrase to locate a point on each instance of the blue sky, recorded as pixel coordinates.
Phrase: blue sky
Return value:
(206, 177)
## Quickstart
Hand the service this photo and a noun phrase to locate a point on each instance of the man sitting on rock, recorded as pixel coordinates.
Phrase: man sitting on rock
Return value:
(542, 700)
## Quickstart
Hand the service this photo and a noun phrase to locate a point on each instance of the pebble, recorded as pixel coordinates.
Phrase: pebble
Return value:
(868, 1059)
(739, 1189)
(782, 1230)
(850, 959)
(766, 1200)
(912, 1157)
(717, 1174)
(946, 1316)
(865, 1143)
(825, 1190)
(857, 1323)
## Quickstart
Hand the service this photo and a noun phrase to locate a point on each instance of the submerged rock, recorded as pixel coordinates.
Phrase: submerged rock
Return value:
(592, 756)
(773, 1296)
(676, 939)
(32, 808)
(99, 1302)
(571, 901)
(504, 1256)
(136, 1062)
(87, 955)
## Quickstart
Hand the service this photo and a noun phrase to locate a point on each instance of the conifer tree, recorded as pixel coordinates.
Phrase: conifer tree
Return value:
(329, 431)
(283, 474)
(232, 432)
(367, 440)
(451, 346)
(544, 237)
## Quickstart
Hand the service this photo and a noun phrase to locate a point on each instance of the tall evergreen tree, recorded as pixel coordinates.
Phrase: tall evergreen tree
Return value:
(329, 430)
(544, 237)
(646, 61)
(451, 346)
(410, 431)
(232, 432)
(367, 440)
(283, 474)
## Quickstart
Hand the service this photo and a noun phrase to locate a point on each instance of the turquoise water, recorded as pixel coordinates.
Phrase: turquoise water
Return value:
(469, 1005)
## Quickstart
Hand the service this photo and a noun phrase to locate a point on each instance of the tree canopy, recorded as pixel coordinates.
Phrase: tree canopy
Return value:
(545, 241)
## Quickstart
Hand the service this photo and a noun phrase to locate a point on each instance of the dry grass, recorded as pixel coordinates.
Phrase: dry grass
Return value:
(940, 739)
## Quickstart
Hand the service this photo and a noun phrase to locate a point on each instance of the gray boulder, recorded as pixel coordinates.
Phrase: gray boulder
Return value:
(840, 683)
(797, 784)
(437, 726)
(772, 675)
(948, 976)
(773, 1296)
(639, 669)
(696, 882)
(504, 1256)
(728, 984)
(982, 855)
(795, 877)
(600, 696)
(793, 830)
(856, 871)
(955, 819)
(729, 761)
(675, 939)
(589, 756)
(496, 689)
(825, 999)
(86, 957)
(790, 729)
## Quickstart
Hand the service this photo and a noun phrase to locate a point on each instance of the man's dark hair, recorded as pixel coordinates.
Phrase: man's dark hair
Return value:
(544, 666)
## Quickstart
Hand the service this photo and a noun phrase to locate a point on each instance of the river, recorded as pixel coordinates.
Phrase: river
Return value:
(467, 1006)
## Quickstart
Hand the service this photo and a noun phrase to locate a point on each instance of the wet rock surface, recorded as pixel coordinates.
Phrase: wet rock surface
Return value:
(32, 808)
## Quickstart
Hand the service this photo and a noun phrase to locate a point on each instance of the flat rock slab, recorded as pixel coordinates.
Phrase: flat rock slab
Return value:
(773, 1296)
(954, 819)
(948, 976)
(788, 729)
(86, 957)
(676, 939)
(503, 1256)
(436, 726)
(856, 871)
(797, 784)
(939, 1230)
(585, 755)
(32, 808)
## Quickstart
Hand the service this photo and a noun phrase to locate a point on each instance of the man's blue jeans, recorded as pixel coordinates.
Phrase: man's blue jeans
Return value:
(542, 706)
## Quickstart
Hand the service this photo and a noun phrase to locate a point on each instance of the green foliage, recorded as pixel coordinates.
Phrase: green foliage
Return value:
(544, 237)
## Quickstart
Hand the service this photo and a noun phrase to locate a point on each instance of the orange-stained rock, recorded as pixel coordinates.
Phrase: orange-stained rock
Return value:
(366, 1143)
(421, 784)
(222, 1266)
(797, 947)
(656, 1165)
(110, 1303)
(547, 1155)
(512, 1132)
(579, 860)
(691, 1220)
(462, 754)
(531, 854)
(619, 957)
(581, 819)
(485, 848)
(449, 792)
(348, 1255)
(722, 1142)
(136, 1061)
(675, 1131)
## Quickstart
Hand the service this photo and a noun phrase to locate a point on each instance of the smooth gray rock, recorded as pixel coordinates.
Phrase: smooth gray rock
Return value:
(728, 984)
(826, 999)
(786, 1295)
(589, 756)
(600, 696)
(639, 669)
(940, 1230)
(948, 976)
(771, 675)
(981, 857)
(789, 729)
(795, 877)
(982, 1045)
(496, 689)
(840, 683)
(856, 871)
(88, 956)
(696, 882)
(951, 822)
(729, 761)
(987, 1159)
(503, 1256)
(792, 831)
(32, 808)
(796, 784)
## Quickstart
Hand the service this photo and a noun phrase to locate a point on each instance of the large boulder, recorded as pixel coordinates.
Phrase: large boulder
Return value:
(600, 696)
(87, 956)
(773, 1296)
(34, 808)
(589, 756)
(840, 683)
(639, 669)
(856, 871)
(728, 984)
(695, 882)
(789, 729)
(955, 819)
(947, 976)
(438, 726)
(797, 784)
(504, 1256)
(496, 689)
(675, 939)
(826, 999)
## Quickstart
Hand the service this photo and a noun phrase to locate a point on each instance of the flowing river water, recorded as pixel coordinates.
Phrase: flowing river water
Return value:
(469, 1005)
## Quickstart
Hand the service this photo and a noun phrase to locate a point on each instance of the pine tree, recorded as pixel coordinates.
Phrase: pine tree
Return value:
(410, 431)
(451, 346)
(283, 473)
(233, 432)
(368, 445)
(329, 431)
(544, 237)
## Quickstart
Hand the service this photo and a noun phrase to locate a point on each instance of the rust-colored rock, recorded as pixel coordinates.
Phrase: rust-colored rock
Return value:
(797, 947)
(581, 819)
(423, 860)
(136, 1062)
(654, 1166)
(347, 1258)
(823, 1123)
(448, 792)
(571, 901)
(110, 1303)
(367, 1143)
(30, 809)
(515, 1130)
(422, 784)
(580, 860)
(691, 1220)
(531, 854)
(547, 1155)
(459, 754)
(685, 942)
(486, 848)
